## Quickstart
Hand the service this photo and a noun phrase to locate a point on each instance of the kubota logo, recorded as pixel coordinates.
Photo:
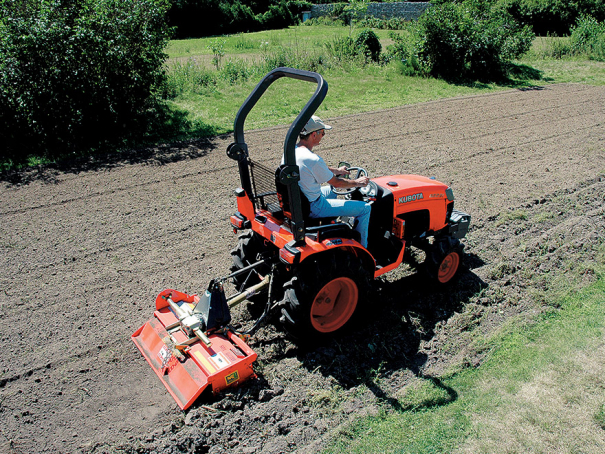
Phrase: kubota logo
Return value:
(410, 198)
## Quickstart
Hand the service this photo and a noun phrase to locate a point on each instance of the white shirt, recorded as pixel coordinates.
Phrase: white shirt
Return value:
(313, 172)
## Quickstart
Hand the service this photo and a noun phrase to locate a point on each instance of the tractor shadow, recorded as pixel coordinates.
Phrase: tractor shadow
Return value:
(395, 334)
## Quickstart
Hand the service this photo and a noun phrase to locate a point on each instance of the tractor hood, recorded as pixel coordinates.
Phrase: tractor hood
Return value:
(411, 188)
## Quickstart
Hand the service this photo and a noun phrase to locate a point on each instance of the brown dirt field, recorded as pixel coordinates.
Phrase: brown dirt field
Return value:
(85, 249)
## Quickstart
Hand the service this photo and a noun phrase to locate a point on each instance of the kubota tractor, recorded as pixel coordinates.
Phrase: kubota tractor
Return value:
(314, 270)
(320, 273)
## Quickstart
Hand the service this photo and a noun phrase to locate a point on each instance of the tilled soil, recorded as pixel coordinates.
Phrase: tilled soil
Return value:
(85, 250)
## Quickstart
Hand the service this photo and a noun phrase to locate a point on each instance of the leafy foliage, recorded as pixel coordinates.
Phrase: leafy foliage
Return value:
(588, 37)
(78, 74)
(368, 43)
(343, 49)
(468, 41)
(200, 18)
(552, 16)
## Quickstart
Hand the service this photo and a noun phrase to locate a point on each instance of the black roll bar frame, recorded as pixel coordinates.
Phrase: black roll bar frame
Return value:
(290, 174)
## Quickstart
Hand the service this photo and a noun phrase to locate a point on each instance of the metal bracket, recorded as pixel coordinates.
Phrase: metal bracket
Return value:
(237, 151)
(289, 175)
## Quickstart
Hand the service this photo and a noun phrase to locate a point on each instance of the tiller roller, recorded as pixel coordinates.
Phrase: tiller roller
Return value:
(190, 345)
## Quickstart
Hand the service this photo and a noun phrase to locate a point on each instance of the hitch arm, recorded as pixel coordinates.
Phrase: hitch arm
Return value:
(237, 299)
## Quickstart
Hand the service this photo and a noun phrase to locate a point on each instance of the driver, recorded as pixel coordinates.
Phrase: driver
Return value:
(314, 172)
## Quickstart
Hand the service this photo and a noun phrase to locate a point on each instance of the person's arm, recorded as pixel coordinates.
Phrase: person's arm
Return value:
(346, 183)
(339, 171)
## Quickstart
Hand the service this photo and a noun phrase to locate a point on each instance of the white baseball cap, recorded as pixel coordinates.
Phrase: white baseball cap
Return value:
(314, 124)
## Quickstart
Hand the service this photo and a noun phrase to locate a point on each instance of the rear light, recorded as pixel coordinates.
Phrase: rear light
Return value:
(239, 221)
(290, 254)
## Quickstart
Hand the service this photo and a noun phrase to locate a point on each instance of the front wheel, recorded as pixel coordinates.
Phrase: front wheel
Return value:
(324, 296)
(443, 259)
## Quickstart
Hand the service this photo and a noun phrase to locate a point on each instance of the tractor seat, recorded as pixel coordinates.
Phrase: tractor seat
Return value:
(316, 228)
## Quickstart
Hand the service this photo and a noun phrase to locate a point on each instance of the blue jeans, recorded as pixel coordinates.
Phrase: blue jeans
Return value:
(327, 206)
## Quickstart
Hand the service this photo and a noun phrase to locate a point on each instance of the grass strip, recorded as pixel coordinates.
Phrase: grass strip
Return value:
(209, 99)
(540, 390)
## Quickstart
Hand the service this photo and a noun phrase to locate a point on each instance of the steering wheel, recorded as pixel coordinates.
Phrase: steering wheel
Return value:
(361, 172)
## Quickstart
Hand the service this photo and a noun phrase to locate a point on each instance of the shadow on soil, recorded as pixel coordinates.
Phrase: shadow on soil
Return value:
(402, 314)
(522, 77)
(153, 155)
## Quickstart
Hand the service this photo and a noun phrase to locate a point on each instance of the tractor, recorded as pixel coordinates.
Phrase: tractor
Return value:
(315, 271)
(320, 274)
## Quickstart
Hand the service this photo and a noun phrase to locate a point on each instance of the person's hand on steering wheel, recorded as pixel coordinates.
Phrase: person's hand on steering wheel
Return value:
(340, 171)
(362, 181)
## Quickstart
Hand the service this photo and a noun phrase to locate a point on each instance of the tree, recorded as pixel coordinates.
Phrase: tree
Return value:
(469, 41)
(77, 74)
(355, 10)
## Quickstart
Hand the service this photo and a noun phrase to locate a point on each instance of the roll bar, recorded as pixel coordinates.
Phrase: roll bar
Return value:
(290, 172)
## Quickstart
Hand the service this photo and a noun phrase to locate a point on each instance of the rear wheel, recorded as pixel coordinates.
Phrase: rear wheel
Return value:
(324, 296)
(250, 249)
(443, 259)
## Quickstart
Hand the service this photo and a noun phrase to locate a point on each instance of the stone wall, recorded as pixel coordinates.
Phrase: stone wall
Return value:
(405, 10)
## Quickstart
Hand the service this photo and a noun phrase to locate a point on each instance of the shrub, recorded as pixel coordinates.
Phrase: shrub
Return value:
(278, 16)
(342, 49)
(552, 16)
(368, 44)
(394, 23)
(588, 37)
(402, 54)
(76, 75)
(458, 41)
(200, 18)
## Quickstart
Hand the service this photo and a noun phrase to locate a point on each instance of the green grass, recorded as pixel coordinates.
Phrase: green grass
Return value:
(540, 390)
(353, 88)
(297, 37)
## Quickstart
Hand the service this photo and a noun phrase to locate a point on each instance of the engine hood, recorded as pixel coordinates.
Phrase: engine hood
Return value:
(409, 184)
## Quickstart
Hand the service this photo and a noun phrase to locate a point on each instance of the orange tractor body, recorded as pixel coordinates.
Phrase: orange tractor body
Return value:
(314, 271)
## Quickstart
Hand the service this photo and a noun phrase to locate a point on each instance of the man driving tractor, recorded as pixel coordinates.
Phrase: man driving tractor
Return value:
(314, 172)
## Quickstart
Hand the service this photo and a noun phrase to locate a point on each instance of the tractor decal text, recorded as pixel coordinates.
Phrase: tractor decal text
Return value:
(410, 198)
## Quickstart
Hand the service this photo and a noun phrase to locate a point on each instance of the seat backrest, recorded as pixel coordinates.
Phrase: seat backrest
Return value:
(284, 200)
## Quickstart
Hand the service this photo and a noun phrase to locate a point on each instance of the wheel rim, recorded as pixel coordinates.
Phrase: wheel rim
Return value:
(334, 304)
(448, 267)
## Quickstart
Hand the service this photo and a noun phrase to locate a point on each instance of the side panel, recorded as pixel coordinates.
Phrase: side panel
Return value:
(417, 194)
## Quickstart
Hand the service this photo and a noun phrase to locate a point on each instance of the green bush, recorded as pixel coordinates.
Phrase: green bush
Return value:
(552, 16)
(342, 49)
(402, 54)
(278, 16)
(78, 74)
(201, 18)
(394, 23)
(368, 44)
(468, 41)
(588, 38)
